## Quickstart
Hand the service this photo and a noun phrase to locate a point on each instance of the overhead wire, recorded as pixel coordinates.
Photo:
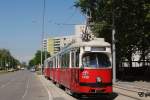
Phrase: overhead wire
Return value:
(65, 22)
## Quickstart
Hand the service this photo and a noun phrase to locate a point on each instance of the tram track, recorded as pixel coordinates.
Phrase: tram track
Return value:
(133, 87)
(141, 86)
(132, 97)
(132, 91)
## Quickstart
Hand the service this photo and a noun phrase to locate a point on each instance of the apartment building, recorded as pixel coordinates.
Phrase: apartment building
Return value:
(55, 44)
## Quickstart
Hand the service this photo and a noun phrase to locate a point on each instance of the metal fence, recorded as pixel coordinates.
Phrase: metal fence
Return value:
(135, 64)
(138, 70)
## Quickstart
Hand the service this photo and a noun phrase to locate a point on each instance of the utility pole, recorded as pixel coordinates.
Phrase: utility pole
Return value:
(113, 43)
(43, 34)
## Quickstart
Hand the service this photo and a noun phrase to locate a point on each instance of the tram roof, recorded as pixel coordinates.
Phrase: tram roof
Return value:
(98, 42)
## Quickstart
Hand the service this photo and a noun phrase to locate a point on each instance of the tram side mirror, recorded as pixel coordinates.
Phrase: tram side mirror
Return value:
(82, 68)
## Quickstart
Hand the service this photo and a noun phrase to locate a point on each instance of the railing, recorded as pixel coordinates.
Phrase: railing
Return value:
(135, 64)
(139, 70)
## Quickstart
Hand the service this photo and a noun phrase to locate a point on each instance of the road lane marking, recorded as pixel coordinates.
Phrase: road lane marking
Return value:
(26, 89)
(4, 85)
(46, 88)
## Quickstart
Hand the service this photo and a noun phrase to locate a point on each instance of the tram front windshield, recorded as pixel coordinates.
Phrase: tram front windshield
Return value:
(95, 60)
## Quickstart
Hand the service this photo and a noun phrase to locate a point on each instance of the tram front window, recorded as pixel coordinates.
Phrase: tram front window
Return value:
(95, 60)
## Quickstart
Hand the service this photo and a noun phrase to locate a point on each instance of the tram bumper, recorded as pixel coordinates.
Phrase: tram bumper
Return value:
(95, 88)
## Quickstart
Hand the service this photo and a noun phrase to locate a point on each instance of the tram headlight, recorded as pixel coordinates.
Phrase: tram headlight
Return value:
(98, 80)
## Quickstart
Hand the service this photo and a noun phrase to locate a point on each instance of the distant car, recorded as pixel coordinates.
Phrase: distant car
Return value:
(22, 68)
(11, 70)
(32, 70)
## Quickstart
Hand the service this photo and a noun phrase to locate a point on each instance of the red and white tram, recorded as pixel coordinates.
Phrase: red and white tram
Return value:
(82, 67)
(46, 70)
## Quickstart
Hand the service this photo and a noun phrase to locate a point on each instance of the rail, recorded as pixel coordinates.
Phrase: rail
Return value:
(134, 91)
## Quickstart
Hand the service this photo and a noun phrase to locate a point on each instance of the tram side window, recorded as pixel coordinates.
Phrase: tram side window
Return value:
(64, 59)
(57, 62)
(48, 64)
(67, 59)
(54, 62)
(51, 64)
(72, 59)
(77, 59)
(60, 61)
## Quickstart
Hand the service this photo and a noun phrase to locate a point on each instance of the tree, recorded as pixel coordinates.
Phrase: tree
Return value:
(132, 24)
(7, 60)
(37, 58)
(100, 13)
(31, 62)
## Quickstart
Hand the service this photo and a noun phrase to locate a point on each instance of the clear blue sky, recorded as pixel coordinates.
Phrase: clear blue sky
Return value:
(21, 24)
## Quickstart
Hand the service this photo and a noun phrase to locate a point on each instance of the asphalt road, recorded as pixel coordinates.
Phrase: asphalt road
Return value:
(21, 85)
(26, 85)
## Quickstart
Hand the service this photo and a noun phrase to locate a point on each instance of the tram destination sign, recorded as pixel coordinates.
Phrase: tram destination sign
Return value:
(98, 49)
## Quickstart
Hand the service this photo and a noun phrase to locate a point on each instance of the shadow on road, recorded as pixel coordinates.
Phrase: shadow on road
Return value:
(99, 97)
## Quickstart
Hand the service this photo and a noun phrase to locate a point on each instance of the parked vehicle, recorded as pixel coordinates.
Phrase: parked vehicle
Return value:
(11, 70)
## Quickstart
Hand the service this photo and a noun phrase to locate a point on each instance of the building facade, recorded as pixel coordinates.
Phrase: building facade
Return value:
(50, 45)
(55, 44)
(45, 45)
